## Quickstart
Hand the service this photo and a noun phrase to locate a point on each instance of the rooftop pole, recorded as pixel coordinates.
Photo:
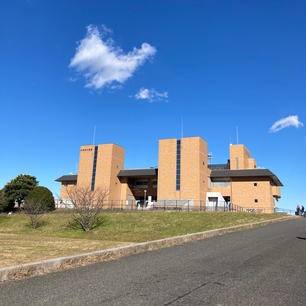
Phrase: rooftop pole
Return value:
(182, 127)
(94, 136)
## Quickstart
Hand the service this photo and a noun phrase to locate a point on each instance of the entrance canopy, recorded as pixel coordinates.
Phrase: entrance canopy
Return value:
(142, 182)
(140, 173)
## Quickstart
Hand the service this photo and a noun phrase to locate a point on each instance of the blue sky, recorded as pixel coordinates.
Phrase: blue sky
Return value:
(218, 64)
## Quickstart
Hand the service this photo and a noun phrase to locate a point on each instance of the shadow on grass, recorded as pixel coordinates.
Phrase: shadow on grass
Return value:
(40, 223)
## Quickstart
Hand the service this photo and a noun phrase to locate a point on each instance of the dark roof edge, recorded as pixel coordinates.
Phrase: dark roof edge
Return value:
(67, 178)
(258, 172)
(138, 172)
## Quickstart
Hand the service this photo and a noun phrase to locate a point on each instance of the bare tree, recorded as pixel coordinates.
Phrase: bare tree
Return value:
(35, 209)
(87, 205)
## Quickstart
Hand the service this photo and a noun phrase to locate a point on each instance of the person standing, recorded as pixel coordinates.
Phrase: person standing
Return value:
(297, 210)
(302, 210)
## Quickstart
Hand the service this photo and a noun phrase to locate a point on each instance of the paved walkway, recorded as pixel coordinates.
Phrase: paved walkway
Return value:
(261, 266)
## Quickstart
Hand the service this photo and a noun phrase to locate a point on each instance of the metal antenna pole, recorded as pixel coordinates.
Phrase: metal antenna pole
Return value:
(182, 127)
(94, 136)
(237, 135)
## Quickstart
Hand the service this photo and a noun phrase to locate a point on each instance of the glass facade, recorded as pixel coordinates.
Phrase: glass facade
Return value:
(178, 165)
(93, 179)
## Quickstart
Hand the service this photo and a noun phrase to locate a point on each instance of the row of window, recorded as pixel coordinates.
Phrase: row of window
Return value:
(86, 149)
(178, 165)
(145, 184)
(224, 184)
(66, 184)
(93, 179)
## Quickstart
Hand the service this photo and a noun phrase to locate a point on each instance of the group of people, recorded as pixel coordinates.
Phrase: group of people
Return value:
(299, 211)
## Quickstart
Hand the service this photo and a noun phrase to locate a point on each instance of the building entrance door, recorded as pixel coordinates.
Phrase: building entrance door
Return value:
(213, 202)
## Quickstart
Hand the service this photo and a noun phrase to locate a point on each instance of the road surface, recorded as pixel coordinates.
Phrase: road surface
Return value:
(261, 266)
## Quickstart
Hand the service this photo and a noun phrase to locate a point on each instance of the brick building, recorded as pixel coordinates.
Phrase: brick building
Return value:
(183, 175)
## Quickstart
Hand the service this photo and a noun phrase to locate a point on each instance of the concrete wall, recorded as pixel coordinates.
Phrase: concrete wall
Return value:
(276, 191)
(126, 193)
(65, 188)
(220, 200)
(226, 192)
(244, 193)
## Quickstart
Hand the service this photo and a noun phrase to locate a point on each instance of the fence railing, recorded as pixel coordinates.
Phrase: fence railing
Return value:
(174, 205)
(284, 211)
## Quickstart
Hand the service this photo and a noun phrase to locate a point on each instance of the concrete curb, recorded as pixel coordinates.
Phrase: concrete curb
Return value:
(61, 263)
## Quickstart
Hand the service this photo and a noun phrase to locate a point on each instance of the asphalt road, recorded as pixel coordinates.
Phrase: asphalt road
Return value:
(261, 266)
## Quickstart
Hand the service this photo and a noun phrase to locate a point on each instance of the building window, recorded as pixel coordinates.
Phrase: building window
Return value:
(255, 184)
(236, 162)
(154, 184)
(178, 164)
(93, 179)
(256, 200)
(141, 184)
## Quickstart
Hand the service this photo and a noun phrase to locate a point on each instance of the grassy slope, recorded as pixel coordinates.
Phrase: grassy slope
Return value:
(54, 238)
(130, 226)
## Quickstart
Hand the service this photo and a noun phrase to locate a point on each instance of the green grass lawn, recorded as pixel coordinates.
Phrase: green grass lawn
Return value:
(55, 236)
(129, 226)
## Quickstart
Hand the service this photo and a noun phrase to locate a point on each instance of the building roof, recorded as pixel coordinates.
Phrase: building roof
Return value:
(138, 172)
(246, 173)
(215, 173)
(67, 178)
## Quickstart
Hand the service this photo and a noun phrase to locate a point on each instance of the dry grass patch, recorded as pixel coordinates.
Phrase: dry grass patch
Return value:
(18, 249)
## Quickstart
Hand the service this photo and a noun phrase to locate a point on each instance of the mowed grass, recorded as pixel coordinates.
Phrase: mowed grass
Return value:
(21, 248)
(55, 236)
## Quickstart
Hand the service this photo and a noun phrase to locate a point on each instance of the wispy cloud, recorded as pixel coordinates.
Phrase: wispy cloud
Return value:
(151, 95)
(286, 122)
(102, 63)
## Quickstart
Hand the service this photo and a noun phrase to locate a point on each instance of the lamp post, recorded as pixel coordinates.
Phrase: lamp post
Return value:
(145, 196)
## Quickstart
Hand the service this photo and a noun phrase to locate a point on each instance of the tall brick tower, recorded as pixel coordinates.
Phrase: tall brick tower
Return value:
(99, 166)
(240, 158)
(182, 169)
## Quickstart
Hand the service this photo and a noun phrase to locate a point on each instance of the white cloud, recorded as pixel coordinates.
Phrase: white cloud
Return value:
(286, 122)
(151, 95)
(102, 63)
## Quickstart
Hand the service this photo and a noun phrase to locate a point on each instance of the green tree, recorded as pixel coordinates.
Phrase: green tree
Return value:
(3, 201)
(17, 189)
(43, 198)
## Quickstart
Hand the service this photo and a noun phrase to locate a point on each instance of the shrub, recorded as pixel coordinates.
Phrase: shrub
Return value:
(5, 204)
(43, 198)
(34, 209)
(87, 205)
